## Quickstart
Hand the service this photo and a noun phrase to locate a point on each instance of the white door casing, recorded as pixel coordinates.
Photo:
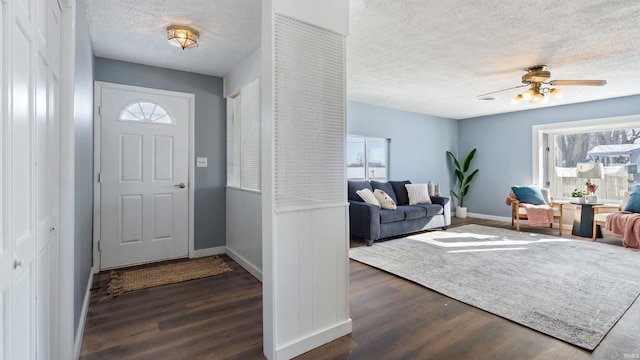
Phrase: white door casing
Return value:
(144, 175)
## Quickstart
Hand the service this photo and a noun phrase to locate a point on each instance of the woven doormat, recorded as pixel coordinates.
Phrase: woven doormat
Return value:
(130, 280)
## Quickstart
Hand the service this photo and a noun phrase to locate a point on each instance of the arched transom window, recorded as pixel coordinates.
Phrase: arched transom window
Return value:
(145, 111)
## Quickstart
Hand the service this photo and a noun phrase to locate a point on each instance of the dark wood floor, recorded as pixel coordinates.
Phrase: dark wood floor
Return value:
(220, 317)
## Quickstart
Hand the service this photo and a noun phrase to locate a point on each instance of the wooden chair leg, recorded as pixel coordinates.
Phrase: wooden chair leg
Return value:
(560, 225)
(595, 227)
(517, 222)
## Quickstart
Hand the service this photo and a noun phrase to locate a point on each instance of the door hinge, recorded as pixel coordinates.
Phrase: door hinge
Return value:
(548, 149)
(99, 249)
(99, 177)
(99, 110)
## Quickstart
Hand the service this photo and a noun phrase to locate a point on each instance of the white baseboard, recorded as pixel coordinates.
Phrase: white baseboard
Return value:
(209, 251)
(246, 264)
(83, 317)
(489, 217)
(313, 341)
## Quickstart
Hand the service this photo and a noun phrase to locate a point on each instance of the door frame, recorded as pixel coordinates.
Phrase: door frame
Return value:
(97, 144)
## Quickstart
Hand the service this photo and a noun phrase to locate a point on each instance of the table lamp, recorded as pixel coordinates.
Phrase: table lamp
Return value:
(590, 171)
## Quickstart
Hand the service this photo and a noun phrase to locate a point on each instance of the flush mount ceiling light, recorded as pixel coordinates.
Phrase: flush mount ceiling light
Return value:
(537, 79)
(182, 36)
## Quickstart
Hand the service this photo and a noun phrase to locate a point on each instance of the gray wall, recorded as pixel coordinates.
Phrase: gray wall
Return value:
(504, 144)
(210, 136)
(83, 120)
(418, 142)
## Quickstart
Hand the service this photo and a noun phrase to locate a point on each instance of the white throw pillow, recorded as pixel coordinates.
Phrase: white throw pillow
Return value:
(418, 194)
(386, 202)
(368, 197)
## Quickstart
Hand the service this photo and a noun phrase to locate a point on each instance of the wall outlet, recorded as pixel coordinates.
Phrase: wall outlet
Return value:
(201, 162)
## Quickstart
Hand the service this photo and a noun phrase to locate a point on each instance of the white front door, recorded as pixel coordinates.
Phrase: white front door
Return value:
(144, 175)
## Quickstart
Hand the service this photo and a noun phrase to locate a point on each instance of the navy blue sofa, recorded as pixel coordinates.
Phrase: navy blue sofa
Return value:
(371, 223)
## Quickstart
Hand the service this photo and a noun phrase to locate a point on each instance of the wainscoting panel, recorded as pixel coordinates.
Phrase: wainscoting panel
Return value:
(310, 248)
(244, 229)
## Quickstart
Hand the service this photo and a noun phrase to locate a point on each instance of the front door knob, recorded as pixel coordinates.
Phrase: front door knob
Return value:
(18, 263)
(181, 185)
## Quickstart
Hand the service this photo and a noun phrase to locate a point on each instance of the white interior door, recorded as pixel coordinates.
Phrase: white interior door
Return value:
(22, 170)
(47, 190)
(29, 109)
(144, 197)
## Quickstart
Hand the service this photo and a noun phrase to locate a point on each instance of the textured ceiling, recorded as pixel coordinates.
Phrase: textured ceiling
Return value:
(431, 57)
(135, 31)
(435, 57)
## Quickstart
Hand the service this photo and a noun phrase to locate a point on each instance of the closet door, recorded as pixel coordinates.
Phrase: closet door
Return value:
(29, 148)
(22, 161)
(6, 242)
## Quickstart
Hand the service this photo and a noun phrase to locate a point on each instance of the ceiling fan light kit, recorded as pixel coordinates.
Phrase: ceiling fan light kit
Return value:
(537, 76)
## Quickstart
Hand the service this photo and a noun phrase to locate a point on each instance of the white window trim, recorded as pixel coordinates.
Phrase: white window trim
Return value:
(243, 138)
(591, 125)
(366, 158)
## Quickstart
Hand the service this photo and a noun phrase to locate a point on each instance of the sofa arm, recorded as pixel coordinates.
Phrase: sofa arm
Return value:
(446, 207)
(364, 220)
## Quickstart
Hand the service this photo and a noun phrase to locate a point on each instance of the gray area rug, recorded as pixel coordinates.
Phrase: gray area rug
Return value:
(573, 290)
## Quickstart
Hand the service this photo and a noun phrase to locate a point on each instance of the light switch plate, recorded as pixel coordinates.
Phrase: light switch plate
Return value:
(201, 162)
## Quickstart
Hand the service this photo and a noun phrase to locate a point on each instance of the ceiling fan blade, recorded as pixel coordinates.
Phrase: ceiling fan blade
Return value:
(511, 88)
(578, 82)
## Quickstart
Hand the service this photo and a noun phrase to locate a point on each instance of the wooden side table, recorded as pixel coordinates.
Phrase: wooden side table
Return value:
(583, 221)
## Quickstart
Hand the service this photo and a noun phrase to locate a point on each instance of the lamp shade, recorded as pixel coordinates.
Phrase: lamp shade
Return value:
(182, 36)
(590, 170)
(557, 93)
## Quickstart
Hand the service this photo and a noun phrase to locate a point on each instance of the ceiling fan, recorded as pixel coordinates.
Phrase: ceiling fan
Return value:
(537, 79)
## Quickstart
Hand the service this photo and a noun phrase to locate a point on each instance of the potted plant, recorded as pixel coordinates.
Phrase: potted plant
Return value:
(579, 195)
(464, 177)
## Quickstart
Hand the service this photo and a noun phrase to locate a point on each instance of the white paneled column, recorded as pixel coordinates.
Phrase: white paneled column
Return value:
(305, 232)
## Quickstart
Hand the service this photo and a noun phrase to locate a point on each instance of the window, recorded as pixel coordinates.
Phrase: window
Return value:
(367, 158)
(616, 145)
(243, 138)
(147, 112)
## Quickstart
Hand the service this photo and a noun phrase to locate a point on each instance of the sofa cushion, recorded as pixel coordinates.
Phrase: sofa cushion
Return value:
(388, 216)
(401, 192)
(354, 186)
(386, 187)
(432, 209)
(413, 212)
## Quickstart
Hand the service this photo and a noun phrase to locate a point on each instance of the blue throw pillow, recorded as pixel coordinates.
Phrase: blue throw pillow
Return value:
(529, 194)
(401, 191)
(354, 186)
(633, 204)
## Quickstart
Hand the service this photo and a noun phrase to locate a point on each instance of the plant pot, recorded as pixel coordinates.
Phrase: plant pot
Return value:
(461, 212)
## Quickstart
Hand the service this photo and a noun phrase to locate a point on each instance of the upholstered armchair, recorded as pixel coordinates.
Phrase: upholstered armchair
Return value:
(600, 212)
(519, 210)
